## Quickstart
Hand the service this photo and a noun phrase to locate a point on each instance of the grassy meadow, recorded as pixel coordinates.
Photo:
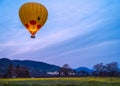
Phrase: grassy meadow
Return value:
(83, 81)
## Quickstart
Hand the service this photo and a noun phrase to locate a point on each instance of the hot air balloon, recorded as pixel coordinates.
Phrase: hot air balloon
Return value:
(33, 16)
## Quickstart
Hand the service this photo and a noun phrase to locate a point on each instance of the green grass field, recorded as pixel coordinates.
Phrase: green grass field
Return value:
(83, 81)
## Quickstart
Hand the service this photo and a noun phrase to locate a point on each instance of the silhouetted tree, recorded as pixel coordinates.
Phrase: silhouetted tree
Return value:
(22, 71)
(109, 69)
(112, 68)
(10, 72)
(65, 70)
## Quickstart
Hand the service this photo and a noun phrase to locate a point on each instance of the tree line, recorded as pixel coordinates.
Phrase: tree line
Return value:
(110, 69)
(102, 70)
(17, 72)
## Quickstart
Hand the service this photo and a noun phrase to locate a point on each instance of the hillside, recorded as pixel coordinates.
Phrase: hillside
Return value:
(35, 67)
(83, 69)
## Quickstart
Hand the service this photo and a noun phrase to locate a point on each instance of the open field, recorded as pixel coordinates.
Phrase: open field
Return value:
(83, 81)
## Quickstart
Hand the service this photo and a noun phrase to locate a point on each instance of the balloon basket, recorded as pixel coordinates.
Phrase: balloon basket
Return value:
(32, 36)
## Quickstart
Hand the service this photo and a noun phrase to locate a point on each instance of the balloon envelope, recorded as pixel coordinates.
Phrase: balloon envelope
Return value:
(33, 16)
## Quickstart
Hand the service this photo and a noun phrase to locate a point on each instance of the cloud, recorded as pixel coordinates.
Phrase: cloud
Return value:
(88, 56)
(51, 39)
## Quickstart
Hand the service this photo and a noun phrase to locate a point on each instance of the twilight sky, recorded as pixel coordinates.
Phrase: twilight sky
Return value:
(77, 32)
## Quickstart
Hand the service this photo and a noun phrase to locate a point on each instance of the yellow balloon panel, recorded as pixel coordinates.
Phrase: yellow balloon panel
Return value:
(33, 16)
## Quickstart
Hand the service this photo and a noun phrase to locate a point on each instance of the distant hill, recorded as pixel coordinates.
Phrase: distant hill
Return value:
(83, 69)
(35, 67)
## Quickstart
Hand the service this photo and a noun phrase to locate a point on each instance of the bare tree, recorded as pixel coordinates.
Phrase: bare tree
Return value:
(99, 67)
(112, 67)
(22, 71)
(10, 71)
(109, 69)
(65, 70)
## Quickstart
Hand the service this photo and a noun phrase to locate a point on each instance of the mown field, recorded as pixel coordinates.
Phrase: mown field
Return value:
(83, 81)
